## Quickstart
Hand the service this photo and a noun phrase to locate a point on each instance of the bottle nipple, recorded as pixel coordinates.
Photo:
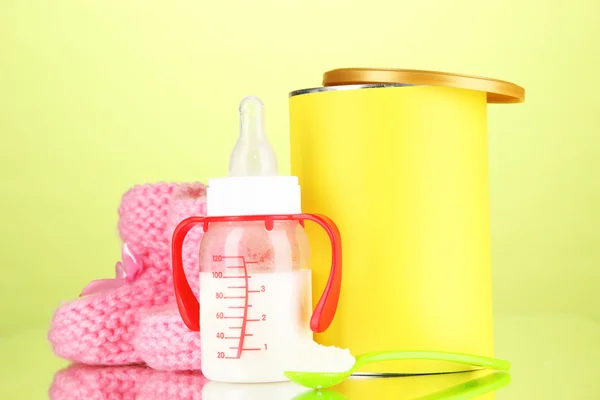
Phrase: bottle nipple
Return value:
(252, 154)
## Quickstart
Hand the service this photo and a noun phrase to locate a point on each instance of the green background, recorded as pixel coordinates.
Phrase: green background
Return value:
(98, 96)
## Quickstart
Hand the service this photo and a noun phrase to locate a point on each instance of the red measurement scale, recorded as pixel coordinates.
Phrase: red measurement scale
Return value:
(237, 305)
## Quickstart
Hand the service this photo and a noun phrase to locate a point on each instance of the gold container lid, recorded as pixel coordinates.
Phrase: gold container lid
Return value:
(497, 91)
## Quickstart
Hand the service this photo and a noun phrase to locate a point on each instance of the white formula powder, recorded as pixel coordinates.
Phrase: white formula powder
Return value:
(313, 357)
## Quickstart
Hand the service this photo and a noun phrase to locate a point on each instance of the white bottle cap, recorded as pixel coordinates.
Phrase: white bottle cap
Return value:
(253, 186)
(253, 195)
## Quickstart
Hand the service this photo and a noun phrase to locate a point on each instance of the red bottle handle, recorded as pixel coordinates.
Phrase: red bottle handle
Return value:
(327, 305)
(188, 305)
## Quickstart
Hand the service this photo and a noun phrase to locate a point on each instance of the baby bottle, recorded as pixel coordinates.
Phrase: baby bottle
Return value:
(255, 305)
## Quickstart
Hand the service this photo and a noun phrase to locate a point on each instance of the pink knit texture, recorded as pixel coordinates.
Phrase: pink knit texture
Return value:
(84, 382)
(100, 329)
(172, 386)
(163, 341)
(188, 201)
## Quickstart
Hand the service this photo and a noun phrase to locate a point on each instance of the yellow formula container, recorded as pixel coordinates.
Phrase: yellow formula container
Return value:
(399, 159)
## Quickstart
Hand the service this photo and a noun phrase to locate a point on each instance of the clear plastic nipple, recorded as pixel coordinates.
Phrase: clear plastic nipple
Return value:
(252, 154)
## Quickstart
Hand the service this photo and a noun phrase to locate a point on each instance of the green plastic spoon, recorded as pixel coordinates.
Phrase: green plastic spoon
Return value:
(322, 380)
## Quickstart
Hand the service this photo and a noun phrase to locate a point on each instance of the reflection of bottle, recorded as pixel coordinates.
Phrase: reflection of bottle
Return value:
(253, 391)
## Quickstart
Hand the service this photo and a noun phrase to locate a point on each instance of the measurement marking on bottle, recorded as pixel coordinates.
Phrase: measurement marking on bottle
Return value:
(253, 320)
(233, 317)
(251, 262)
(257, 349)
(253, 291)
(234, 297)
(236, 287)
(245, 317)
(231, 358)
(235, 327)
(236, 277)
(236, 267)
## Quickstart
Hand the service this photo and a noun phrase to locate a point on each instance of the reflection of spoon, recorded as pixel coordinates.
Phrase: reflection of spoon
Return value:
(465, 391)
(471, 389)
(319, 380)
(320, 395)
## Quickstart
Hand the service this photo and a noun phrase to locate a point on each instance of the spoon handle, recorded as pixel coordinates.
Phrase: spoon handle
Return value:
(479, 361)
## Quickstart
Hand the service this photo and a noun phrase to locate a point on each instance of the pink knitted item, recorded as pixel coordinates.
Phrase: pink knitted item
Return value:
(84, 382)
(163, 341)
(173, 386)
(100, 328)
(188, 202)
